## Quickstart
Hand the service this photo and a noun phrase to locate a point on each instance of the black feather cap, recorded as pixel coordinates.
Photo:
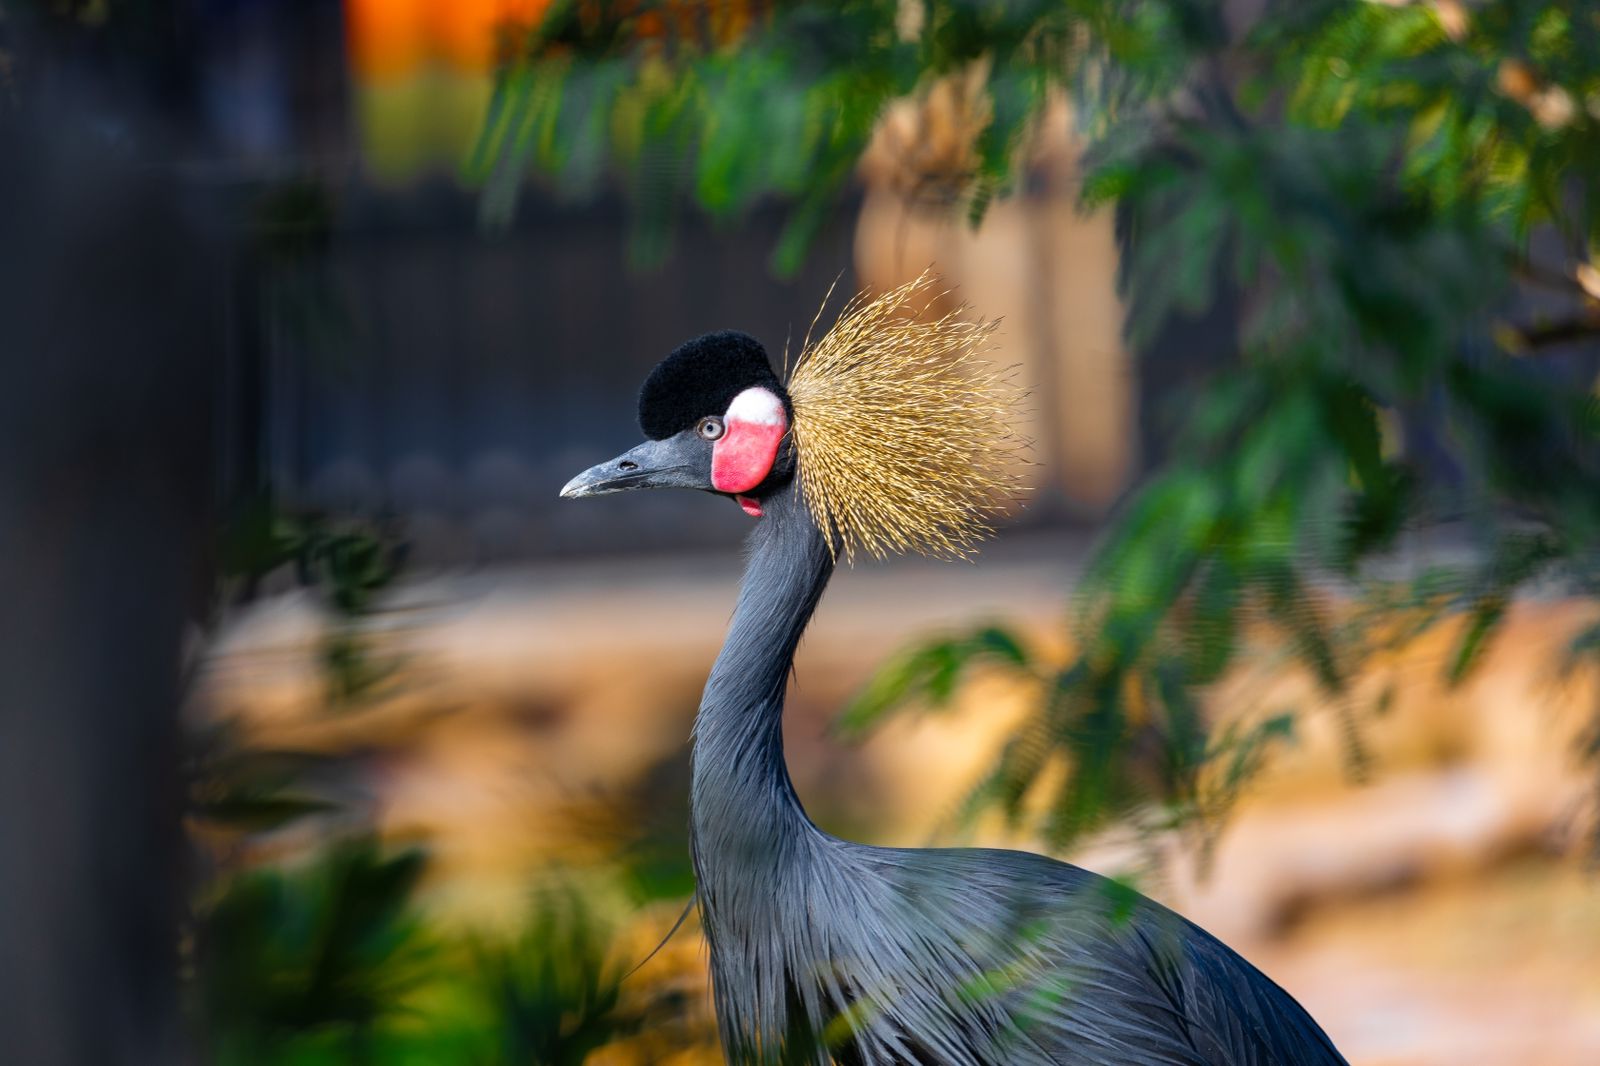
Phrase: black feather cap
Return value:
(701, 378)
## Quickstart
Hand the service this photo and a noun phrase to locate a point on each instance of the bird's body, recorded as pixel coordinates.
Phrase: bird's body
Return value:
(823, 950)
(941, 956)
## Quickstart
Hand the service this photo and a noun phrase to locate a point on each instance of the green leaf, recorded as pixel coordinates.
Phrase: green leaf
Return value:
(1469, 648)
(928, 673)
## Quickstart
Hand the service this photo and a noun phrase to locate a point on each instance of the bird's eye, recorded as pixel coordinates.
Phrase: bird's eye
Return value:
(710, 428)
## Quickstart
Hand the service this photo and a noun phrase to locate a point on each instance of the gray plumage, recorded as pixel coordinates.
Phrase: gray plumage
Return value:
(826, 950)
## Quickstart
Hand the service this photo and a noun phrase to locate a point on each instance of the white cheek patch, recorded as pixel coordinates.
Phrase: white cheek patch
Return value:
(756, 406)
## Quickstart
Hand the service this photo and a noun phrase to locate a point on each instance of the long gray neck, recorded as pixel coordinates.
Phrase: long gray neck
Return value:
(745, 812)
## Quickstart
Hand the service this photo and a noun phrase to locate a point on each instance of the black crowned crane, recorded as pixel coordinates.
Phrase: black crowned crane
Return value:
(891, 435)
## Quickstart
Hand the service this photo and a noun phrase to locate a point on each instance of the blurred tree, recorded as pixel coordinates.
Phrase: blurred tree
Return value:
(1399, 198)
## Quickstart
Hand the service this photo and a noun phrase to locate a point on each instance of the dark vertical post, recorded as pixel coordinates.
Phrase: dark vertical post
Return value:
(107, 351)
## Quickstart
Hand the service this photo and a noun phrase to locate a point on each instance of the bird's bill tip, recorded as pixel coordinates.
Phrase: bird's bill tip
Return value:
(677, 462)
(595, 481)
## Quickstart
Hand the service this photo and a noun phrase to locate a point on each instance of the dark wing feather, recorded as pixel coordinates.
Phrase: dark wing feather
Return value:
(1192, 998)
(1251, 1017)
(1113, 980)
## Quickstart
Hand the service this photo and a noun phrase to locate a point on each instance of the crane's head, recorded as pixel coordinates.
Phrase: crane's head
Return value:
(901, 436)
(716, 417)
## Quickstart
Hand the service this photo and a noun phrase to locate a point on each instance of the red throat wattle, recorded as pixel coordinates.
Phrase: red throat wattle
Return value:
(742, 458)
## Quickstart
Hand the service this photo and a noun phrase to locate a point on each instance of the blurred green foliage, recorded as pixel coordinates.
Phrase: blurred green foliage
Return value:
(331, 959)
(350, 562)
(313, 944)
(728, 103)
(312, 957)
(555, 990)
(1403, 201)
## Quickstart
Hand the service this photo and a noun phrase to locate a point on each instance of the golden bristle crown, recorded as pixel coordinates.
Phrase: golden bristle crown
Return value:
(905, 435)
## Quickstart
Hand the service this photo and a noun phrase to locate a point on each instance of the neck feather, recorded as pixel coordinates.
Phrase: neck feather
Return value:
(743, 800)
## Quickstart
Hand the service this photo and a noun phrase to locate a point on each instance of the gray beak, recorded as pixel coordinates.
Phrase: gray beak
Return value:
(679, 462)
